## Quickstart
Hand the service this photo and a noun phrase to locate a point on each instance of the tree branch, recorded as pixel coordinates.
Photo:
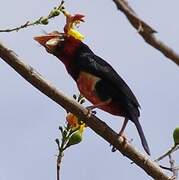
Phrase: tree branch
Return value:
(146, 31)
(101, 128)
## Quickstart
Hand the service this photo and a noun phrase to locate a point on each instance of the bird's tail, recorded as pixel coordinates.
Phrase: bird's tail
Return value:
(142, 136)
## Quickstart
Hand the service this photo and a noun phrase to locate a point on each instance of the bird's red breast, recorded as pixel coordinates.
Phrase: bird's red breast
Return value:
(86, 84)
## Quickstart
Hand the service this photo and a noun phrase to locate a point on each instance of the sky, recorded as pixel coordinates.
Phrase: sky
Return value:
(30, 120)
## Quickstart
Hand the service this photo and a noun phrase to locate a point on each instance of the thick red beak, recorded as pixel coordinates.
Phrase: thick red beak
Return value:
(44, 38)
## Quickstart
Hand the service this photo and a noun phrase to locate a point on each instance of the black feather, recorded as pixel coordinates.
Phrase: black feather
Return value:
(111, 85)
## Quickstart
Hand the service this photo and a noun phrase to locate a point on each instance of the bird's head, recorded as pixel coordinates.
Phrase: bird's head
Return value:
(59, 44)
(52, 41)
(65, 43)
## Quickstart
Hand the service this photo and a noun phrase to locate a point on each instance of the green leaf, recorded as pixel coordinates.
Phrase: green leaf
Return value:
(176, 135)
(74, 139)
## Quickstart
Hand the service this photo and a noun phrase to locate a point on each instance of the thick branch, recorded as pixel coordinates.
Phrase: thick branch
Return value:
(146, 31)
(101, 128)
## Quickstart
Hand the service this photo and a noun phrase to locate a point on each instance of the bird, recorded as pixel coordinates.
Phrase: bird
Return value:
(96, 79)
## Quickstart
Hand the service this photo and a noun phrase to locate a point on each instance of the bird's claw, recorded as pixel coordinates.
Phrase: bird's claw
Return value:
(90, 111)
(113, 149)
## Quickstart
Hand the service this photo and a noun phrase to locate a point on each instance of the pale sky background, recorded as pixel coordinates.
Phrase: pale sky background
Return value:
(29, 120)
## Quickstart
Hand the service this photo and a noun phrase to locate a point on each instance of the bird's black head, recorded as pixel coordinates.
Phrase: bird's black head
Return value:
(53, 42)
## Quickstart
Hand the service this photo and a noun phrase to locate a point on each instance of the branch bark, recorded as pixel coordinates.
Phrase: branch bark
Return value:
(101, 128)
(146, 31)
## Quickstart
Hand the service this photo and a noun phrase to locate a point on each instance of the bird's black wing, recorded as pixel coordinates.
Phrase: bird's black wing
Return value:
(93, 64)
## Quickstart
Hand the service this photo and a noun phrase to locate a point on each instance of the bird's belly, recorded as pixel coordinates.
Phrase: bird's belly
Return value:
(86, 85)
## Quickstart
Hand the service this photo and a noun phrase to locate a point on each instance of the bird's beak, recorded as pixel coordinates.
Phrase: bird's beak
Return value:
(44, 38)
(51, 41)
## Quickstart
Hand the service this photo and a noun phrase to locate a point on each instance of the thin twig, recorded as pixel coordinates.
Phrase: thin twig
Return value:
(61, 148)
(171, 150)
(28, 23)
(146, 31)
(101, 128)
(166, 168)
(172, 166)
(59, 160)
(41, 20)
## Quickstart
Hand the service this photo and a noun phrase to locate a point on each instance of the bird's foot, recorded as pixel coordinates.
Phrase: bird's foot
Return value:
(90, 111)
(90, 108)
(113, 149)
